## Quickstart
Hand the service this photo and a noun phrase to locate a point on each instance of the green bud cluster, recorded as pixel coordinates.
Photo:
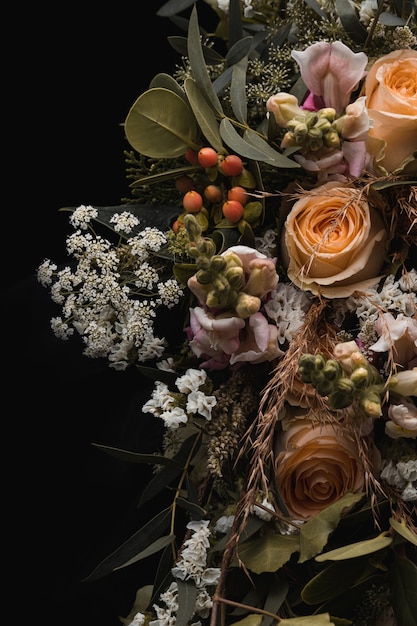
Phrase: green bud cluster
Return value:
(314, 130)
(223, 277)
(329, 379)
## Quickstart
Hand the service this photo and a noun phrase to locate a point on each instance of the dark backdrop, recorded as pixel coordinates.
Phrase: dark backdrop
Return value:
(71, 75)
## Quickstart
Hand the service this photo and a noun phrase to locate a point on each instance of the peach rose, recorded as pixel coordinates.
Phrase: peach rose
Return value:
(315, 465)
(333, 242)
(391, 99)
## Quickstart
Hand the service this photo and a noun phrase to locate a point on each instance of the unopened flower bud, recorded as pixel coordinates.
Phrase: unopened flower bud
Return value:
(332, 369)
(331, 139)
(343, 394)
(247, 305)
(203, 263)
(288, 140)
(220, 284)
(284, 107)
(325, 387)
(235, 277)
(327, 113)
(218, 263)
(203, 277)
(206, 246)
(371, 403)
(192, 226)
(360, 377)
(404, 383)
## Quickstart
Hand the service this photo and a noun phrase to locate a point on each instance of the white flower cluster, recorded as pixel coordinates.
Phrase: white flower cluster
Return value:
(190, 566)
(173, 408)
(403, 476)
(111, 294)
(287, 308)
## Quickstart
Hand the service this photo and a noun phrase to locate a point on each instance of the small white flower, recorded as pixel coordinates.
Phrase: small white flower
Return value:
(191, 380)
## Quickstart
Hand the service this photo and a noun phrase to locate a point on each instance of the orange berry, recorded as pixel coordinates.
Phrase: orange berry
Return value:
(232, 210)
(232, 165)
(207, 157)
(213, 193)
(192, 201)
(184, 183)
(238, 193)
(192, 157)
(176, 226)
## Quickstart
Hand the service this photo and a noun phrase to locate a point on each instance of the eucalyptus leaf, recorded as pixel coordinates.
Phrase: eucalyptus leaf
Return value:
(155, 374)
(161, 125)
(204, 114)
(277, 593)
(153, 548)
(198, 64)
(350, 21)
(314, 534)
(166, 175)
(314, 5)
(249, 620)
(166, 81)
(354, 550)
(401, 528)
(136, 457)
(239, 51)
(187, 594)
(389, 19)
(197, 511)
(167, 475)
(134, 545)
(333, 581)
(403, 583)
(184, 271)
(172, 7)
(321, 619)
(238, 90)
(270, 155)
(235, 31)
(268, 553)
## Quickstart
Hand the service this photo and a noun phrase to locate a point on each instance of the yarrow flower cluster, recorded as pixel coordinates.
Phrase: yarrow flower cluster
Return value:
(263, 276)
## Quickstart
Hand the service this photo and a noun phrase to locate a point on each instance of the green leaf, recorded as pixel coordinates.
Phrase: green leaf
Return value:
(268, 553)
(401, 528)
(235, 30)
(166, 81)
(161, 125)
(333, 581)
(249, 620)
(198, 64)
(153, 548)
(403, 583)
(184, 271)
(322, 619)
(197, 511)
(153, 179)
(204, 114)
(350, 21)
(239, 51)
(271, 156)
(315, 533)
(136, 457)
(354, 550)
(385, 184)
(172, 7)
(389, 19)
(134, 545)
(238, 90)
(187, 594)
(167, 475)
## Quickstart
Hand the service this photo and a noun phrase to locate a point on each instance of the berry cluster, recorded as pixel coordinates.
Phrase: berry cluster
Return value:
(225, 188)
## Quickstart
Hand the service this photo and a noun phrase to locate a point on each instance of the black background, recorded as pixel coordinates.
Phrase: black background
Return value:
(71, 75)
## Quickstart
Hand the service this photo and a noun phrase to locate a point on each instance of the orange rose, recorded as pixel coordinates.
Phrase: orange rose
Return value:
(315, 465)
(391, 99)
(333, 242)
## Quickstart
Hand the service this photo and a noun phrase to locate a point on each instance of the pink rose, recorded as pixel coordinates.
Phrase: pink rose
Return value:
(391, 98)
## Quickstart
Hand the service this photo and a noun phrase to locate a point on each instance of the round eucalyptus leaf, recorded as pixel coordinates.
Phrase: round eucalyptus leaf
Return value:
(161, 125)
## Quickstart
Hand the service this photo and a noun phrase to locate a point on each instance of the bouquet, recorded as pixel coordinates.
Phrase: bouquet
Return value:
(262, 275)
